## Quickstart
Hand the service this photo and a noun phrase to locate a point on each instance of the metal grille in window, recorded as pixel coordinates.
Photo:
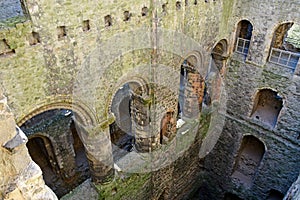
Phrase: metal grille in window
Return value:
(284, 58)
(242, 46)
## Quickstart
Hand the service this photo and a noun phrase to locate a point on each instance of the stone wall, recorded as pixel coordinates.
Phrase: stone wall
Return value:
(76, 55)
(21, 178)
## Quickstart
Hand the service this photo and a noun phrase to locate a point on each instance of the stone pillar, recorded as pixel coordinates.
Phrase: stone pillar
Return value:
(96, 141)
(63, 148)
(145, 138)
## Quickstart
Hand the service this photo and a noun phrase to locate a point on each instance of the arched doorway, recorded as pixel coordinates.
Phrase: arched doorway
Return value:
(54, 144)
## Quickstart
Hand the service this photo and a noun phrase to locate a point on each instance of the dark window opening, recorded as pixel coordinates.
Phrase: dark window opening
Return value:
(267, 106)
(86, 25)
(144, 11)
(34, 38)
(61, 32)
(186, 2)
(164, 8)
(127, 16)
(108, 20)
(178, 5)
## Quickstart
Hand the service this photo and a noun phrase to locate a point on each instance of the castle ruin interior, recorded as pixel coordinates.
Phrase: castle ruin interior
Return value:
(150, 99)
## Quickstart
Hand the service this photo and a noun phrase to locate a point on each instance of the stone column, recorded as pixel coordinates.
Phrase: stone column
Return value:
(145, 140)
(96, 141)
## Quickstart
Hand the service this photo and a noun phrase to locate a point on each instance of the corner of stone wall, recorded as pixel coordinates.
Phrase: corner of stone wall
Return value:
(21, 178)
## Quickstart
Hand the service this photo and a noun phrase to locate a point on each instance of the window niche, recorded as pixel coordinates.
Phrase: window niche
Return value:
(178, 5)
(108, 20)
(243, 37)
(127, 15)
(61, 32)
(86, 25)
(248, 160)
(145, 11)
(267, 106)
(34, 38)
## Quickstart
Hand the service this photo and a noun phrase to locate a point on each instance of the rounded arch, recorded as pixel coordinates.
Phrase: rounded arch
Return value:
(221, 47)
(244, 20)
(257, 138)
(135, 83)
(195, 58)
(279, 34)
(83, 113)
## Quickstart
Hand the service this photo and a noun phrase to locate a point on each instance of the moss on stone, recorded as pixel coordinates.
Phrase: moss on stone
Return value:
(123, 188)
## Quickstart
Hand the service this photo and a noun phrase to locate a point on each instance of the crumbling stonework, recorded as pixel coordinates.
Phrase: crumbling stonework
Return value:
(21, 178)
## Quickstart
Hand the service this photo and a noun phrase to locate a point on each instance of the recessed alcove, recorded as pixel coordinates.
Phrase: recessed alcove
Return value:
(267, 106)
(249, 157)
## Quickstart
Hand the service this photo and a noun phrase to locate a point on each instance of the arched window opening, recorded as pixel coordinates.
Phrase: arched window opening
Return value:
(248, 160)
(244, 34)
(267, 106)
(216, 71)
(275, 195)
(168, 127)
(121, 130)
(285, 50)
(63, 170)
(191, 90)
(219, 56)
